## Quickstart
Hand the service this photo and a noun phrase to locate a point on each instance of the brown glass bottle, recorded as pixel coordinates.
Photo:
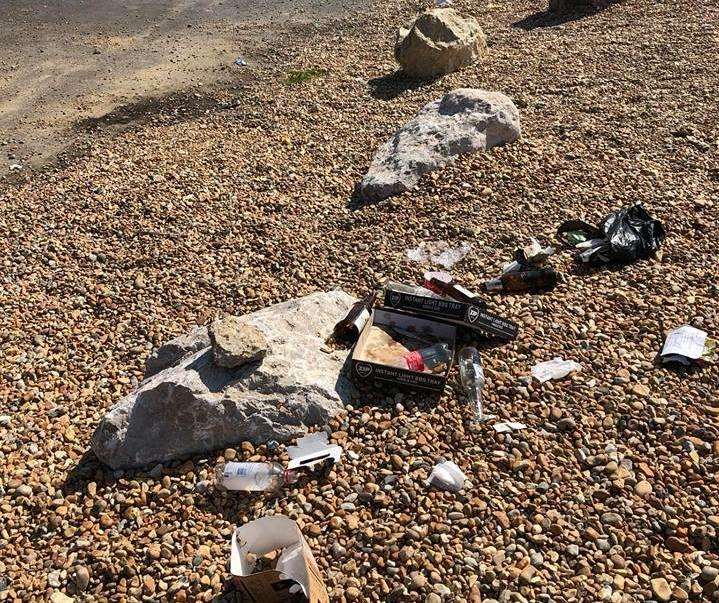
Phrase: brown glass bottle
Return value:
(442, 283)
(349, 328)
(529, 280)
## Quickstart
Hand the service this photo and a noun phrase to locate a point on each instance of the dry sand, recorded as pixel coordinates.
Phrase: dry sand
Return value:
(70, 62)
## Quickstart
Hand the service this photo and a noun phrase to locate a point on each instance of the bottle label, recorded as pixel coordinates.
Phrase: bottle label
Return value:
(414, 361)
(464, 291)
(241, 469)
(361, 320)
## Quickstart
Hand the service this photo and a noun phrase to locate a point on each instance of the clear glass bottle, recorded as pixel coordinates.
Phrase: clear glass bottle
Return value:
(255, 477)
(436, 358)
(471, 374)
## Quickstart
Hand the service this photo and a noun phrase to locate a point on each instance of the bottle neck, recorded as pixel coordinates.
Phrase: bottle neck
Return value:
(494, 284)
(289, 476)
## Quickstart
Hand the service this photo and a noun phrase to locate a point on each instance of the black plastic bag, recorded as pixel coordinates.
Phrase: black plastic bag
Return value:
(624, 236)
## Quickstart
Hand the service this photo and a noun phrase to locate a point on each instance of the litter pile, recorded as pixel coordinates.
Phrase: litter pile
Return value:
(412, 339)
(417, 503)
(623, 236)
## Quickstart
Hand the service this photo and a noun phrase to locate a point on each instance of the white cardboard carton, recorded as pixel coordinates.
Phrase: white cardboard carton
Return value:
(295, 564)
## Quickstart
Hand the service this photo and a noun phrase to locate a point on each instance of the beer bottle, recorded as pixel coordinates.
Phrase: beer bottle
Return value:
(442, 283)
(528, 280)
(349, 328)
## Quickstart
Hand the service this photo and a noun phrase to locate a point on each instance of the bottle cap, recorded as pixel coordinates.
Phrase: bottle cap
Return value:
(289, 476)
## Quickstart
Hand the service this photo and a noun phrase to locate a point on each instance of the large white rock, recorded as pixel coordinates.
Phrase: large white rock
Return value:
(439, 41)
(195, 405)
(466, 120)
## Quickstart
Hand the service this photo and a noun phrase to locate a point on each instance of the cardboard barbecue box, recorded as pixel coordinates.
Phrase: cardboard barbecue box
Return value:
(295, 577)
(468, 315)
(435, 331)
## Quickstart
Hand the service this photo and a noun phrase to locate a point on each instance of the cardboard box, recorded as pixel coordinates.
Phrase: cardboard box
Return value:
(366, 370)
(467, 315)
(296, 577)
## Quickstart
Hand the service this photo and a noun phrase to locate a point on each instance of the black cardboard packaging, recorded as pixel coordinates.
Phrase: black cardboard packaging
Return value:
(366, 370)
(467, 315)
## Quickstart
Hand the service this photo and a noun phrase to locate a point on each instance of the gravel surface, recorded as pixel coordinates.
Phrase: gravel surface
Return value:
(231, 200)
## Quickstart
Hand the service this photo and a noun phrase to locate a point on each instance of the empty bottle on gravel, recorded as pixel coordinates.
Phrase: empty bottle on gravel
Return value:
(254, 477)
(529, 280)
(471, 373)
(350, 327)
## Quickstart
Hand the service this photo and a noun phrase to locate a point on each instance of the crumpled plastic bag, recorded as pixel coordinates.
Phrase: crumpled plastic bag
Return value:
(554, 369)
(448, 476)
(624, 236)
(438, 253)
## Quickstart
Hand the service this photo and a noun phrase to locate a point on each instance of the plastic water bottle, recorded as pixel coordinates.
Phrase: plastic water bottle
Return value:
(253, 477)
(472, 375)
(436, 358)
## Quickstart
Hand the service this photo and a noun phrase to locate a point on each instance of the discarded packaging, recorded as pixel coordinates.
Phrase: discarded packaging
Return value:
(256, 477)
(535, 279)
(472, 315)
(508, 426)
(439, 253)
(410, 289)
(312, 450)
(448, 476)
(349, 328)
(533, 252)
(390, 336)
(531, 255)
(554, 369)
(293, 578)
(471, 374)
(688, 345)
(240, 62)
(626, 235)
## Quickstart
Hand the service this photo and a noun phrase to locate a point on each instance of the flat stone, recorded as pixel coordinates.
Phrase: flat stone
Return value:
(612, 519)
(235, 342)
(678, 545)
(81, 578)
(643, 488)
(661, 589)
(640, 389)
(566, 424)
(709, 573)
